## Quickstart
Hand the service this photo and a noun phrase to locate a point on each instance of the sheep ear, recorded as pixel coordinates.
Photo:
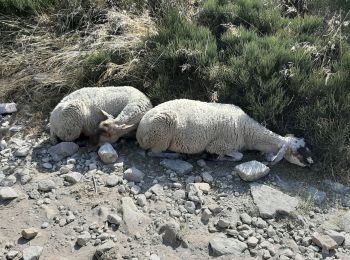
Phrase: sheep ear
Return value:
(125, 126)
(280, 155)
(104, 113)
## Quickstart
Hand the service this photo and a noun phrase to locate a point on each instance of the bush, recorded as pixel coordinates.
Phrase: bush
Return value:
(18, 6)
(288, 73)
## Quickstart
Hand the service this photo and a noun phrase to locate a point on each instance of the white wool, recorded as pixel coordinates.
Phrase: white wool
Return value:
(79, 112)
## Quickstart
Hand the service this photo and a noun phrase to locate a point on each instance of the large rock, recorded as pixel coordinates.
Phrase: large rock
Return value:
(32, 252)
(251, 171)
(178, 166)
(336, 236)
(107, 153)
(104, 248)
(271, 202)
(83, 238)
(63, 150)
(135, 221)
(8, 108)
(73, 177)
(29, 233)
(227, 246)
(345, 222)
(7, 193)
(133, 174)
(324, 241)
(46, 185)
(170, 232)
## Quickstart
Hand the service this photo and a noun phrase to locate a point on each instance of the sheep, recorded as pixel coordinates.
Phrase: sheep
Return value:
(81, 112)
(191, 127)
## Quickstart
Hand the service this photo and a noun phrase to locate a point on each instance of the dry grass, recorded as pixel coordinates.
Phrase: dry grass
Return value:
(40, 61)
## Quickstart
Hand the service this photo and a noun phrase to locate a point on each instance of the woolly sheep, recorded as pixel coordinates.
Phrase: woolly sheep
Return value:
(81, 112)
(190, 127)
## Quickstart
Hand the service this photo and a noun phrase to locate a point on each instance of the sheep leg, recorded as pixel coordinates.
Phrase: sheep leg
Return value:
(232, 156)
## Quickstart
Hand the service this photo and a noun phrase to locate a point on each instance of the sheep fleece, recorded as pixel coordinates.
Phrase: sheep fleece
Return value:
(78, 113)
(189, 126)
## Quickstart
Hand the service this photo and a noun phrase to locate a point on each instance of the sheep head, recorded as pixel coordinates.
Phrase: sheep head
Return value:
(294, 151)
(109, 130)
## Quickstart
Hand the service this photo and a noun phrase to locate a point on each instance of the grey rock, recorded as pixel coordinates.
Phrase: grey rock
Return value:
(133, 174)
(7, 193)
(206, 176)
(135, 221)
(29, 233)
(104, 248)
(8, 108)
(194, 193)
(11, 254)
(113, 180)
(251, 171)
(271, 202)
(114, 219)
(63, 150)
(46, 185)
(83, 238)
(179, 195)
(22, 152)
(201, 163)
(66, 168)
(107, 153)
(170, 234)
(154, 257)
(178, 166)
(73, 177)
(3, 144)
(157, 189)
(227, 246)
(324, 241)
(204, 187)
(141, 200)
(337, 237)
(252, 241)
(246, 219)
(32, 252)
(206, 215)
(47, 166)
(223, 223)
(190, 207)
(8, 181)
(24, 175)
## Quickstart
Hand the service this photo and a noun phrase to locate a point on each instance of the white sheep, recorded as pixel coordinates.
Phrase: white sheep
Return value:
(81, 112)
(190, 127)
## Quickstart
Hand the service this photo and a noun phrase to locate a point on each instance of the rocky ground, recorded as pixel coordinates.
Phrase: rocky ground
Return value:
(64, 202)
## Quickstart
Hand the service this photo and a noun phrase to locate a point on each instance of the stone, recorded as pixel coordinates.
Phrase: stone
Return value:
(154, 257)
(324, 241)
(206, 176)
(179, 195)
(251, 171)
(7, 193)
(3, 145)
(170, 234)
(29, 233)
(205, 187)
(337, 237)
(114, 219)
(223, 223)
(46, 185)
(157, 189)
(194, 193)
(135, 221)
(11, 254)
(22, 152)
(8, 108)
(201, 163)
(112, 180)
(141, 200)
(32, 252)
(133, 174)
(206, 215)
(104, 248)
(246, 219)
(62, 150)
(272, 202)
(107, 153)
(47, 166)
(178, 166)
(73, 177)
(9, 181)
(227, 246)
(252, 241)
(83, 238)
(190, 207)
